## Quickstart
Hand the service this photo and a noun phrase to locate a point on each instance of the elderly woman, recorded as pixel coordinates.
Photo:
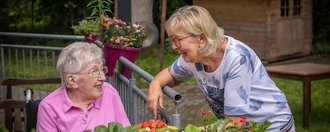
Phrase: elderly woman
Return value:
(228, 72)
(84, 100)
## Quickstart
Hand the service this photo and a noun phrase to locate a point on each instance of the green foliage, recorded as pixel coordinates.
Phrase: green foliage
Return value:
(3, 128)
(259, 126)
(321, 20)
(86, 27)
(321, 48)
(207, 117)
(119, 33)
(114, 127)
(219, 125)
(172, 5)
(100, 8)
(192, 128)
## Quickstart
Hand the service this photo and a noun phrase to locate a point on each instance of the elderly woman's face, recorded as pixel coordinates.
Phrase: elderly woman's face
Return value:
(185, 44)
(91, 79)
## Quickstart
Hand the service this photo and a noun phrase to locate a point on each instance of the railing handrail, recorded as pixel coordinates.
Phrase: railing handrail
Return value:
(48, 36)
(30, 46)
(177, 97)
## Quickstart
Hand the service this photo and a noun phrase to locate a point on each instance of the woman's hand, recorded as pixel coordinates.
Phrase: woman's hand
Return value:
(155, 96)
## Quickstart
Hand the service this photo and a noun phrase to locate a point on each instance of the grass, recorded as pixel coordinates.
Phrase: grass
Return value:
(320, 102)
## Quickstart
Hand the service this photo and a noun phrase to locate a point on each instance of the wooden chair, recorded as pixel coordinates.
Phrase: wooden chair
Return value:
(20, 113)
(14, 111)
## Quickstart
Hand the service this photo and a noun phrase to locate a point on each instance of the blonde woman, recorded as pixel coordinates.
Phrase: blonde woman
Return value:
(228, 72)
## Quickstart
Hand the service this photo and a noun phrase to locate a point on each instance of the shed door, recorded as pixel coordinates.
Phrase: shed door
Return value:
(290, 33)
(290, 36)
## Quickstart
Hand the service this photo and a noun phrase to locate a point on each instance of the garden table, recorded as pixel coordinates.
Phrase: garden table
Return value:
(305, 72)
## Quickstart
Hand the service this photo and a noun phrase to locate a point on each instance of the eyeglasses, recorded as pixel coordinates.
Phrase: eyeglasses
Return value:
(177, 42)
(96, 72)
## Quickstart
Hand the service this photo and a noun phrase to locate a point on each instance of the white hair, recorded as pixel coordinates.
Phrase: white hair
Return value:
(76, 56)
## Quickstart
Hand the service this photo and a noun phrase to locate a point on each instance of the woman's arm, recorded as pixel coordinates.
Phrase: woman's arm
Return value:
(155, 96)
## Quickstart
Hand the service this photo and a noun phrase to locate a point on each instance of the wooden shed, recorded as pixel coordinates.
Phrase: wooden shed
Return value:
(275, 29)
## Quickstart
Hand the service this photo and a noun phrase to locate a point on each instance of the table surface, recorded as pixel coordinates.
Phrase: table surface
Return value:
(300, 69)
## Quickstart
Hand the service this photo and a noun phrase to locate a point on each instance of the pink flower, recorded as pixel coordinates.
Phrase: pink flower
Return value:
(107, 25)
(117, 40)
(136, 25)
(116, 20)
(127, 39)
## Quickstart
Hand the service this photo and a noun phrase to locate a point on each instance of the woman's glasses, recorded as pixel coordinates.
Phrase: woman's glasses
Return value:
(177, 41)
(97, 72)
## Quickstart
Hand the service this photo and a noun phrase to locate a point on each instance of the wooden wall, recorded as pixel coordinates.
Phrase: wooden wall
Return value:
(258, 24)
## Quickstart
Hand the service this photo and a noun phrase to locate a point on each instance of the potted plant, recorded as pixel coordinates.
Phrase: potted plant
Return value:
(118, 38)
(90, 26)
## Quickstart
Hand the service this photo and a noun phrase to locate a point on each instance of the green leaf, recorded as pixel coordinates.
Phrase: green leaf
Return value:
(192, 128)
(114, 127)
(166, 130)
(233, 129)
(130, 129)
(100, 128)
(259, 126)
(219, 125)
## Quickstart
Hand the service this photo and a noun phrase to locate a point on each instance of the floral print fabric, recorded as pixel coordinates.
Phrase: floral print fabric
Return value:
(239, 86)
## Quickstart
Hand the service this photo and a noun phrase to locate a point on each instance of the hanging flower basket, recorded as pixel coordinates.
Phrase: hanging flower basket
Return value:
(112, 53)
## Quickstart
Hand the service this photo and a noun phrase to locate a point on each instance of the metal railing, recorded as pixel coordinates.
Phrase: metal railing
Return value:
(26, 61)
(21, 60)
(136, 100)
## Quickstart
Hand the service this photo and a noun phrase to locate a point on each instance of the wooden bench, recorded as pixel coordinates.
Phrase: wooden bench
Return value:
(305, 72)
(19, 114)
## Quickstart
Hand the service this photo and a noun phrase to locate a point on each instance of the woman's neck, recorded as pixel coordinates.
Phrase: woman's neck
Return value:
(78, 100)
(211, 63)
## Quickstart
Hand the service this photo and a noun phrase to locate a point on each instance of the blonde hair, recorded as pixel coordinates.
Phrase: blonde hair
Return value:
(76, 56)
(196, 20)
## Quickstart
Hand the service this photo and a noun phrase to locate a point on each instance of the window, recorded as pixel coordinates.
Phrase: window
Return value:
(285, 8)
(296, 7)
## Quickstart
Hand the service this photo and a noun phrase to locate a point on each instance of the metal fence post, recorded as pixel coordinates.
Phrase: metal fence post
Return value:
(130, 99)
(176, 120)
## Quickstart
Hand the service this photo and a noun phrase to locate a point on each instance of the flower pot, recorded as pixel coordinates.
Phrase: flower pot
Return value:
(112, 53)
(90, 38)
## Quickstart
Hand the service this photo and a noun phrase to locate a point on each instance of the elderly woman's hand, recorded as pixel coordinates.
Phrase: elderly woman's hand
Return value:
(155, 96)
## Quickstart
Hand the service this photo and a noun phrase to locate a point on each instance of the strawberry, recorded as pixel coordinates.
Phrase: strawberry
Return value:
(160, 124)
(138, 124)
(145, 124)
